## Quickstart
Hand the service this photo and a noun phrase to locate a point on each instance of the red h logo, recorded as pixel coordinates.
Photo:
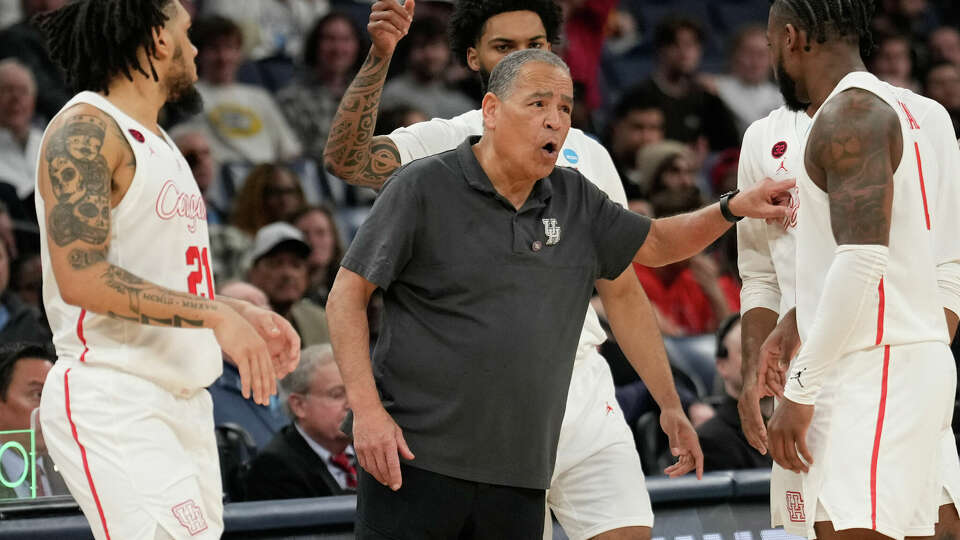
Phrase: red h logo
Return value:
(190, 516)
(795, 507)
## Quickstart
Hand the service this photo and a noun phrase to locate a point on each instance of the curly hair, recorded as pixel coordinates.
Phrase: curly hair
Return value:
(94, 41)
(469, 19)
(249, 208)
(831, 19)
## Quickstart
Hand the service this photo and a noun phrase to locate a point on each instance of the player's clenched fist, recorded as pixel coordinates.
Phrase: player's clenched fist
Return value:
(389, 22)
(244, 347)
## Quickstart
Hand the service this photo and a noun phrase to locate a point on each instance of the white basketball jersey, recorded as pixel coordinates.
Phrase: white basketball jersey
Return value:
(908, 306)
(157, 232)
(772, 148)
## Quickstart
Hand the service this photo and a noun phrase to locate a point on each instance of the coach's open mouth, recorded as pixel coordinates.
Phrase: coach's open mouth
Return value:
(550, 149)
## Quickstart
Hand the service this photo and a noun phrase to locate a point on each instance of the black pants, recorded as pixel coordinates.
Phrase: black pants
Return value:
(433, 506)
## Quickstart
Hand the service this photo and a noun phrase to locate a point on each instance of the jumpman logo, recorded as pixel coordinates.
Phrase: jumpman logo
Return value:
(609, 408)
(797, 377)
(782, 167)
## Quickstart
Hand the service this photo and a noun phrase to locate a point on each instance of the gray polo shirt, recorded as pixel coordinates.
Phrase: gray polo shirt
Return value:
(483, 309)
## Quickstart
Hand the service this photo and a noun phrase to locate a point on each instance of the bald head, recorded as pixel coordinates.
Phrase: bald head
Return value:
(242, 290)
(18, 97)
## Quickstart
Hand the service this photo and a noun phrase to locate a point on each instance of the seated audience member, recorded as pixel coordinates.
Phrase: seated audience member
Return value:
(892, 62)
(269, 193)
(943, 86)
(23, 370)
(244, 123)
(694, 115)
(724, 445)
(310, 457)
(25, 42)
(319, 227)
(279, 268)
(944, 45)
(634, 125)
(19, 138)
(423, 84)
(693, 296)
(667, 166)
(331, 58)
(18, 321)
(26, 280)
(273, 27)
(747, 90)
(195, 147)
(229, 405)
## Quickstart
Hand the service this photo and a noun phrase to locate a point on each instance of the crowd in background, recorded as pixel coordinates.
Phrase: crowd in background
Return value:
(667, 87)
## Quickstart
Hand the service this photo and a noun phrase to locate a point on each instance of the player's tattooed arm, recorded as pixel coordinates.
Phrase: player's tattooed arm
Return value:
(854, 147)
(352, 152)
(83, 156)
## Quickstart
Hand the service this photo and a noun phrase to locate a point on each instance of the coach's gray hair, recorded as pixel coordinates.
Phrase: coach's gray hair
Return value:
(505, 73)
(312, 358)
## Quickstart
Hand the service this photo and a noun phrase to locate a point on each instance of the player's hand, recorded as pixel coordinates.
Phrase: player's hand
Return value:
(788, 435)
(377, 440)
(767, 199)
(684, 443)
(751, 418)
(244, 348)
(389, 22)
(775, 355)
(282, 340)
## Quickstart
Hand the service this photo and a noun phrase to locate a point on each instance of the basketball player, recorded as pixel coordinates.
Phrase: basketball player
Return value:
(598, 487)
(869, 311)
(127, 283)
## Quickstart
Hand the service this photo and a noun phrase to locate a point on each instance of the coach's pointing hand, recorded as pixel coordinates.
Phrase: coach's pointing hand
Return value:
(377, 440)
(767, 199)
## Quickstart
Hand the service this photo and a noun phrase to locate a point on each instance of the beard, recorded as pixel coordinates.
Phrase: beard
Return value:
(183, 98)
(788, 89)
(484, 80)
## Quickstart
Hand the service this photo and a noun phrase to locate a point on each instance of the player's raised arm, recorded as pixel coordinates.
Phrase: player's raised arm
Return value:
(352, 152)
(83, 157)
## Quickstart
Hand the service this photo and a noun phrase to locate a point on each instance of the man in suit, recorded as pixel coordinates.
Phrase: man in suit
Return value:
(310, 457)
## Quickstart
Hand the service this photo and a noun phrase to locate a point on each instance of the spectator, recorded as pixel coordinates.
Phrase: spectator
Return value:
(25, 42)
(944, 45)
(724, 445)
(23, 370)
(693, 296)
(269, 193)
(747, 90)
(272, 27)
(893, 63)
(635, 124)
(943, 86)
(585, 31)
(911, 18)
(311, 456)
(244, 123)
(694, 115)
(392, 118)
(666, 166)
(195, 147)
(229, 405)
(19, 138)
(331, 57)
(279, 268)
(18, 321)
(423, 85)
(319, 227)
(26, 282)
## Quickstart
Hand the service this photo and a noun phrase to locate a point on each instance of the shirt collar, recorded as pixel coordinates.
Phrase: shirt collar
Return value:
(324, 454)
(477, 178)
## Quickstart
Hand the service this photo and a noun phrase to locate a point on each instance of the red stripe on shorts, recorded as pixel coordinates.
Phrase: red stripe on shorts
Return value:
(876, 437)
(880, 313)
(923, 189)
(83, 451)
(83, 341)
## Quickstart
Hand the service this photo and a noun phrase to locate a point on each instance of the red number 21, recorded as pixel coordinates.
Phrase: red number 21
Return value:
(200, 261)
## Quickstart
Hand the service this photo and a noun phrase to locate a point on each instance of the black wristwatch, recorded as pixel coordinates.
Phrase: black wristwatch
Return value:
(725, 206)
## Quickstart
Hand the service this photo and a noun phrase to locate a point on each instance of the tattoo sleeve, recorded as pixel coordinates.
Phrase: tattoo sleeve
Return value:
(352, 152)
(854, 144)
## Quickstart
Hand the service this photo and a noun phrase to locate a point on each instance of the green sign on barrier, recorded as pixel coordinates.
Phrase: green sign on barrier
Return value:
(18, 446)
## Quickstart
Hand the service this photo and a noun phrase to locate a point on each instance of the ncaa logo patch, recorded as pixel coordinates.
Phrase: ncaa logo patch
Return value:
(570, 155)
(136, 135)
(190, 517)
(779, 149)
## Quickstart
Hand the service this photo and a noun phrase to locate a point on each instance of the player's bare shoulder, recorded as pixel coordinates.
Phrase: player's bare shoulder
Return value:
(86, 163)
(854, 147)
